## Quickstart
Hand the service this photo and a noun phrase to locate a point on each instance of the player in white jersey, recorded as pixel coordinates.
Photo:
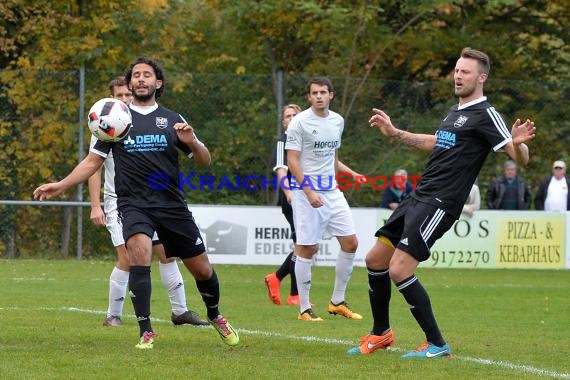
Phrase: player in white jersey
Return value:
(119, 278)
(273, 280)
(319, 207)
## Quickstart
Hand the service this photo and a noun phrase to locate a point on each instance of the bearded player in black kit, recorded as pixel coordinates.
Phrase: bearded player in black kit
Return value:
(459, 148)
(151, 148)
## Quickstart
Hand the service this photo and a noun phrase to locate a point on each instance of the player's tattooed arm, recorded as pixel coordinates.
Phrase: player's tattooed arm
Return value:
(382, 121)
(420, 141)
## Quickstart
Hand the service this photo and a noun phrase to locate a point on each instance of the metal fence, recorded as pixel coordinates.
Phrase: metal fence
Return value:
(237, 116)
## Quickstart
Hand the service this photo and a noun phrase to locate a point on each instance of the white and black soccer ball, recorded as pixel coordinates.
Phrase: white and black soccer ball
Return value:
(109, 119)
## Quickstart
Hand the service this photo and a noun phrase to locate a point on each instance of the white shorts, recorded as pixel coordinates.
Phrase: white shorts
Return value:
(114, 225)
(311, 224)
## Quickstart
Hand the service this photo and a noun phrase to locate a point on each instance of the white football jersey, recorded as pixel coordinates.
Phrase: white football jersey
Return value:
(317, 138)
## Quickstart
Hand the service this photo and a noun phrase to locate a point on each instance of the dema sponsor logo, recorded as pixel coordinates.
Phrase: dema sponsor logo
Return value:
(145, 139)
(145, 143)
(150, 139)
(445, 139)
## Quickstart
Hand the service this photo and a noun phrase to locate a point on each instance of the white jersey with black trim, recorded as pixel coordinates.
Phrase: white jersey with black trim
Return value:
(463, 141)
(317, 138)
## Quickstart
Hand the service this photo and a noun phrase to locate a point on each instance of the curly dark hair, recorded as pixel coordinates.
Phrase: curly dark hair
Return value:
(157, 71)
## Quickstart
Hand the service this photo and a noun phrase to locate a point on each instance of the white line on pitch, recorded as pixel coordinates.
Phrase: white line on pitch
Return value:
(494, 363)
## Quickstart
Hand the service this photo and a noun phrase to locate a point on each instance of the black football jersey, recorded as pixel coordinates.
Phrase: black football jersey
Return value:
(146, 161)
(280, 161)
(464, 139)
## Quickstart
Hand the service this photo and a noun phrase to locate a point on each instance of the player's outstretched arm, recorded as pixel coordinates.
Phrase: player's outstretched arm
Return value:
(382, 121)
(521, 133)
(344, 168)
(97, 215)
(81, 173)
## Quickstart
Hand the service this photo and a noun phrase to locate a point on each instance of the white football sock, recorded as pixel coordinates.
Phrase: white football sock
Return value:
(118, 283)
(343, 271)
(173, 282)
(303, 274)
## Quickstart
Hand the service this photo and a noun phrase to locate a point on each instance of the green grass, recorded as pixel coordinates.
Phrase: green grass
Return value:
(502, 324)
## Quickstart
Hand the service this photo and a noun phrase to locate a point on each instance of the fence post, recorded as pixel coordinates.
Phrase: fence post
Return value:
(80, 158)
(279, 98)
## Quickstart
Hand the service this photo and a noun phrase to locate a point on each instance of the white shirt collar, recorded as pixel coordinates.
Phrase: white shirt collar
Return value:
(469, 104)
(144, 110)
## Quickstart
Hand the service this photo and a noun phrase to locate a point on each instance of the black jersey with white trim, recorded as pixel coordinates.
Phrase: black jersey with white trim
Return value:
(463, 141)
(280, 162)
(146, 160)
(280, 154)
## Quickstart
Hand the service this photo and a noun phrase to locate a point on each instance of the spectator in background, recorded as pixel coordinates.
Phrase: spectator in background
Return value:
(553, 192)
(398, 189)
(509, 191)
(473, 202)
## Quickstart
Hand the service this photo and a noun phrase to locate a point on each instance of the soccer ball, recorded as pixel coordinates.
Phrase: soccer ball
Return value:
(109, 120)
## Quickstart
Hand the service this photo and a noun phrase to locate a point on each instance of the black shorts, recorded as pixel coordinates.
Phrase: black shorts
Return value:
(175, 228)
(415, 226)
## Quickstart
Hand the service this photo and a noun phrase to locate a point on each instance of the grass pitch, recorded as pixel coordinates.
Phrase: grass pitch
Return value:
(501, 324)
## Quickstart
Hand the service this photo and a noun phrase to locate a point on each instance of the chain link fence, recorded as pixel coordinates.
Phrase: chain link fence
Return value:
(237, 116)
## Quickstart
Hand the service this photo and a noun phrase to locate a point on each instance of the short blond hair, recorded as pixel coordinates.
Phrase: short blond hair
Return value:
(292, 106)
(116, 82)
(484, 61)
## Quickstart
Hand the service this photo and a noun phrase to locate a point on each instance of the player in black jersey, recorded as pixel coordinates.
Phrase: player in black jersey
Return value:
(459, 148)
(273, 280)
(119, 279)
(150, 198)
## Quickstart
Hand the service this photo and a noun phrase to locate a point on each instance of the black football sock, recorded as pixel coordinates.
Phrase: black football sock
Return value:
(420, 306)
(210, 291)
(379, 293)
(293, 291)
(285, 268)
(140, 291)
